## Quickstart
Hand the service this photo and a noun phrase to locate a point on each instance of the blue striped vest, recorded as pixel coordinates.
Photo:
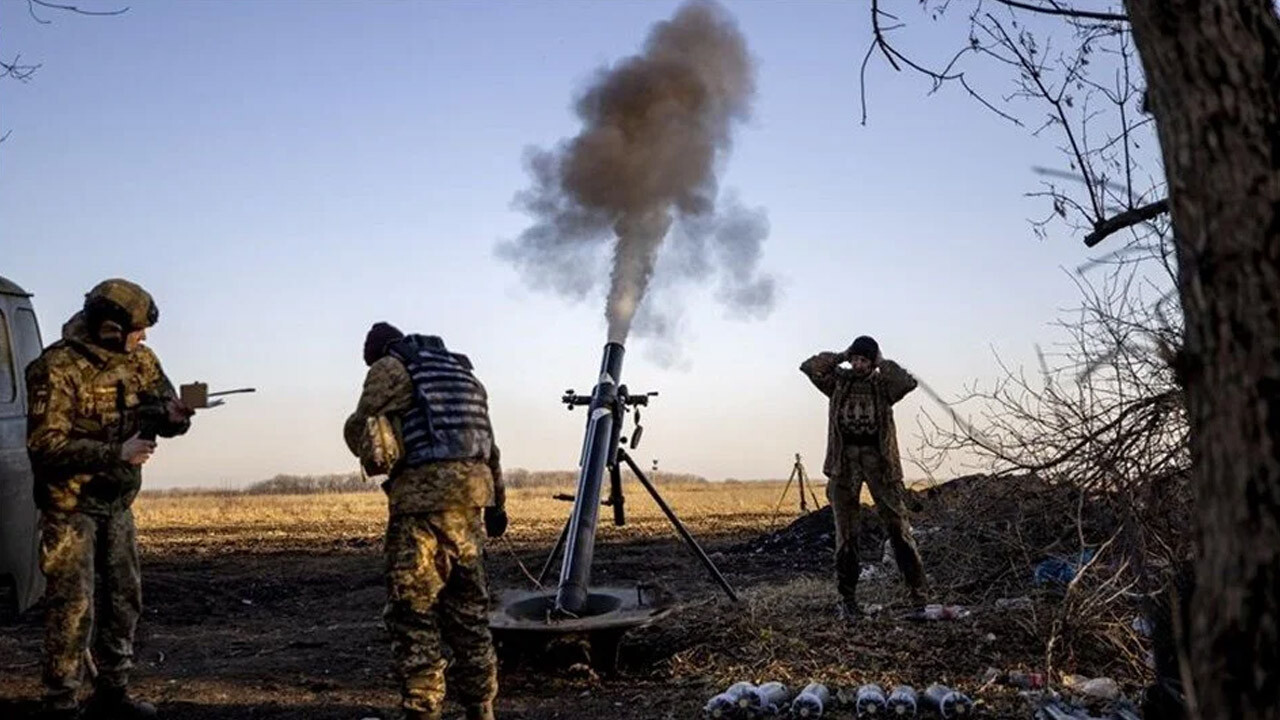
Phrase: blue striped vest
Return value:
(450, 416)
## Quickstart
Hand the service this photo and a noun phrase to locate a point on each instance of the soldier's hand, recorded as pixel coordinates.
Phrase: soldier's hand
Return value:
(495, 521)
(178, 411)
(137, 451)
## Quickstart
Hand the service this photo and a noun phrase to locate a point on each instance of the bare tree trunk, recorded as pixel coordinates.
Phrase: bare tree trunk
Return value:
(1213, 73)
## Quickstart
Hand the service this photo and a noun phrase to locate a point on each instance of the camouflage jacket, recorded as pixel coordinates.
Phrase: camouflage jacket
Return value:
(890, 384)
(84, 403)
(388, 390)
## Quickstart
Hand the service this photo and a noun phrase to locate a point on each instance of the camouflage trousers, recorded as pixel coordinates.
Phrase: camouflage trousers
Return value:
(75, 549)
(867, 465)
(437, 595)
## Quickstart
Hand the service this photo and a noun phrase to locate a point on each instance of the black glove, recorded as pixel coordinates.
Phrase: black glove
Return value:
(495, 521)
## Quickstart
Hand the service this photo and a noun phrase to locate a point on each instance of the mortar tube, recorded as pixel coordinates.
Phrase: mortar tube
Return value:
(575, 572)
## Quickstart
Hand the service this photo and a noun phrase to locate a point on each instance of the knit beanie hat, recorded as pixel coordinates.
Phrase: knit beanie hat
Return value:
(865, 346)
(380, 336)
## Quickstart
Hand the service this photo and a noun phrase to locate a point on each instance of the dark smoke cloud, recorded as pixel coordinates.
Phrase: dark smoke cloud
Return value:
(641, 171)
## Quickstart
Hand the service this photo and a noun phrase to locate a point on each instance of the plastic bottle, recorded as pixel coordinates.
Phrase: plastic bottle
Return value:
(1103, 688)
(811, 702)
(871, 702)
(948, 703)
(1017, 603)
(935, 611)
(902, 702)
(1025, 680)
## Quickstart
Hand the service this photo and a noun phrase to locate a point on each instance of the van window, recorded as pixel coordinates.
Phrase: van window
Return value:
(8, 386)
(26, 342)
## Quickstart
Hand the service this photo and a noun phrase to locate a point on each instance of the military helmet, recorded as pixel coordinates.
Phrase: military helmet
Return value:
(122, 302)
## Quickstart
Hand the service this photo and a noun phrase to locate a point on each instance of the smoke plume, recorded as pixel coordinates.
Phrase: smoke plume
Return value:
(643, 170)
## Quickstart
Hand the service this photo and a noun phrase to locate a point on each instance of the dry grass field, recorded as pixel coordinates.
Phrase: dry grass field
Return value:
(201, 523)
(268, 606)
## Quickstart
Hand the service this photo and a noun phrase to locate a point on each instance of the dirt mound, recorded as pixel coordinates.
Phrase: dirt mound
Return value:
(978, 534)
(813, 536)
(814, 533)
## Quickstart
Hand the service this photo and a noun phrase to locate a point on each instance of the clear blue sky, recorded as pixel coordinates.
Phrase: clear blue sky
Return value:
(281, 174)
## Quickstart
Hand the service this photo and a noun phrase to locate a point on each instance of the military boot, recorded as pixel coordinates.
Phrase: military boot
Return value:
(112, 703)
(484, 711)
(918, 594)
(848, 611)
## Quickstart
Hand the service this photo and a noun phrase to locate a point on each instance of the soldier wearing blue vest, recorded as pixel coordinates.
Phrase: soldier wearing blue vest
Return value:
(448, 483)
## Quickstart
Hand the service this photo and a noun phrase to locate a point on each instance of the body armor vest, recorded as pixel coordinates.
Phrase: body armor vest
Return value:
(449, 419)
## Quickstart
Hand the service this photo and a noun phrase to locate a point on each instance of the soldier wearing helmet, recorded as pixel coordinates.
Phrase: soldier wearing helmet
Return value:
(85, 439)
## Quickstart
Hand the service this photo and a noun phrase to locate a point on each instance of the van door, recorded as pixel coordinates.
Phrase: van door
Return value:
(20, 343)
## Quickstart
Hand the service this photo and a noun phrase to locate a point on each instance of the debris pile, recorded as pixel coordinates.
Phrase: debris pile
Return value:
(978, 534)
(1000, 552)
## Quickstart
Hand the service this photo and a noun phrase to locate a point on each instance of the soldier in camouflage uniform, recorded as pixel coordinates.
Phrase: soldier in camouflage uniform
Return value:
(450, 476)
(89, 394)
(862, 447)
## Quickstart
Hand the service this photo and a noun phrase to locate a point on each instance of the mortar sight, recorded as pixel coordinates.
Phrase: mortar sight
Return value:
(572, 399)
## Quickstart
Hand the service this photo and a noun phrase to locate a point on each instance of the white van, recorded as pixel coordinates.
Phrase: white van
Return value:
(21, 583)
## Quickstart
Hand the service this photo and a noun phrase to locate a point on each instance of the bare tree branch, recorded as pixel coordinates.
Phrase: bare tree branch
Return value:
(1129, 218)
(1052, 172)
(896, 59)
(17, 70)
(23, 73)
(1057, 101)
(1060, 10)
(31, 8)
(862, 80)
(1073, 106)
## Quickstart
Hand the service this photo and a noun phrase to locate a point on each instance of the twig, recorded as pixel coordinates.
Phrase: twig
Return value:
(862, 80)
(1070, 176)
(16, 70)
(894, 57)
(507, 544)
(31, 8)
(1056, 101)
